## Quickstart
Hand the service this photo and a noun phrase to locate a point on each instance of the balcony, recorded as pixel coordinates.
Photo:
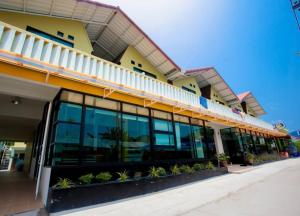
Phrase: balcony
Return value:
(20, 46)
(242, 117)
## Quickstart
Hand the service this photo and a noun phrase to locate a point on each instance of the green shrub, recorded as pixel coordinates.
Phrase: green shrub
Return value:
(198, 166)
(210, 166)
(104, 176)
(175, 170)
(153, 172)
(123, 176)
(63, 183)
(86, 179)
(186, 169)
(157, 172)
(161, 171)
(222, 157)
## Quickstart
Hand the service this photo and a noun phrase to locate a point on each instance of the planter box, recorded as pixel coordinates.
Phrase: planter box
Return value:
(85, 195)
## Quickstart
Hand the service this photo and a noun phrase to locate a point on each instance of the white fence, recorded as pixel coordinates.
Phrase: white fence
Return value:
(227, 112)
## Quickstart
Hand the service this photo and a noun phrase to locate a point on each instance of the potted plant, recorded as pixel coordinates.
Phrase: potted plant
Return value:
(223, 159)
(250, 158)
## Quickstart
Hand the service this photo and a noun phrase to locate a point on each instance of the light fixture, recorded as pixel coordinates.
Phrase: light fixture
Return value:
(16, 101)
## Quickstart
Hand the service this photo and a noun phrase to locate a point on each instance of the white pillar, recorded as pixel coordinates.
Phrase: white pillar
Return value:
(42, 157)
(218, 140)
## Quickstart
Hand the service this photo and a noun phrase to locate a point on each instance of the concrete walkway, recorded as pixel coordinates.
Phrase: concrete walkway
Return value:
(183, 200)
(17, 193)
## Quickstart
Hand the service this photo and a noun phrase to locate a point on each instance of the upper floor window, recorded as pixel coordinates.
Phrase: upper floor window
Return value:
(189, 90)
(49, 36)
(144, 72)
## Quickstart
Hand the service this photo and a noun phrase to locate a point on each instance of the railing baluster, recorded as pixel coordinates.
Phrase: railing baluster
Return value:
(7, 39)
(18, 42)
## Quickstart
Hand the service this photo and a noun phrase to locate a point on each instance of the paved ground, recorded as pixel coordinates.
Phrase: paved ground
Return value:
(17, 193)
(278, 194)
(271, 189)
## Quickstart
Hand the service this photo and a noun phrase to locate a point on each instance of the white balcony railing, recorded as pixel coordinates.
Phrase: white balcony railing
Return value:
(227, 112)
(32, 46)
(41, 50)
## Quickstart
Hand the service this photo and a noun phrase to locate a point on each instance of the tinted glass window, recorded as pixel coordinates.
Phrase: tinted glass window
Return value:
(164, 143)
(135, 138)
(67, 133)
(69, 112)
(100, 136)
(184, 140)
(198, 139)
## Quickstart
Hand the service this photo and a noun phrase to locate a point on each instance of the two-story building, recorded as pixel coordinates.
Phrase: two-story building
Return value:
(86, 88)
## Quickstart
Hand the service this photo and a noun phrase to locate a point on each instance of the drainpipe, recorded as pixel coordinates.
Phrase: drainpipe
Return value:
(42, 158)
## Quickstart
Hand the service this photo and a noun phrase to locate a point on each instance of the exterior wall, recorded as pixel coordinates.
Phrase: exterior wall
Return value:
(131, 54)
(216, 97)
(189, 82)
(51, 26)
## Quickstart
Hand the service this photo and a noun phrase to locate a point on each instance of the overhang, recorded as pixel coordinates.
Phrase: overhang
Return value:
(110, 30)
(252, 102)
(210, 76)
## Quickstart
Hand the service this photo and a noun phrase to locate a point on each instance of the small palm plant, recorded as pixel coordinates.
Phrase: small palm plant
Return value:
(63, 183)
(123, 176)
(103, 176)
(86, 179)
(175, 170)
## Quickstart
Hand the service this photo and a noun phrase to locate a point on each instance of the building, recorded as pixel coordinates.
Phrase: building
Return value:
(87, 89)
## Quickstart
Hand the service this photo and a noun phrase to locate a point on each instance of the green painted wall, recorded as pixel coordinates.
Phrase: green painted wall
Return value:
(188, 82)
(131, 54)
(51, 26)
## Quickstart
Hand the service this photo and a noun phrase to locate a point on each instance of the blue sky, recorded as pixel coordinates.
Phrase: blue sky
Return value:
(252, 44)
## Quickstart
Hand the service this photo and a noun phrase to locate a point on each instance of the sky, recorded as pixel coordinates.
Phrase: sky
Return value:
(252, 44)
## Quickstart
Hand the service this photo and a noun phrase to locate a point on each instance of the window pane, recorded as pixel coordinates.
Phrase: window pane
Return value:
(65, 154)
(71, 96)
(164, 139)
(67, 133)
(162, 125)
(103, 103)
(135, 139)
(184, 140)
(180, 118)
(162, 115)
(211, 148)
(69, 112)
(100, 136)
(199, 136)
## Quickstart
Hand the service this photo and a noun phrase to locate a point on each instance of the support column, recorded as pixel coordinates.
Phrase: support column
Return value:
(218, 140)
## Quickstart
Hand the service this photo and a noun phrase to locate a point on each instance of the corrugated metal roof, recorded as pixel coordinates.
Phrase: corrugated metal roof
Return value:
(110, 30)
(210, 76)
(252, 102)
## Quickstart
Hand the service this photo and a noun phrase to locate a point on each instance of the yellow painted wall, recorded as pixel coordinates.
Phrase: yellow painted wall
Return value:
(250, 111)
(51, 26)
(132, 54)
(215, 96)
(186, 83)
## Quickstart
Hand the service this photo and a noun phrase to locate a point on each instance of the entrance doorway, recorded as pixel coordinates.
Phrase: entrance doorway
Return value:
(22, 113)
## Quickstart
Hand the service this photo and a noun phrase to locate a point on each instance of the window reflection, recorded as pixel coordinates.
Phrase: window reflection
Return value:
(184, 140)
(100, 136)
(135, 138)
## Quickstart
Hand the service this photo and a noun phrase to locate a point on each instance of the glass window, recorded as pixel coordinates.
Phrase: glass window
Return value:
(180, 118)
(162, 125)
(100, 136)
(162, 115)
(210, 141)
(164, 143)
(184, 140)
(135, 109)
(196, 121)
(101, 102)
(69, 112)
(65, 154)
(198, 139)
(71, 97)
(67, 133)
(135, 138)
